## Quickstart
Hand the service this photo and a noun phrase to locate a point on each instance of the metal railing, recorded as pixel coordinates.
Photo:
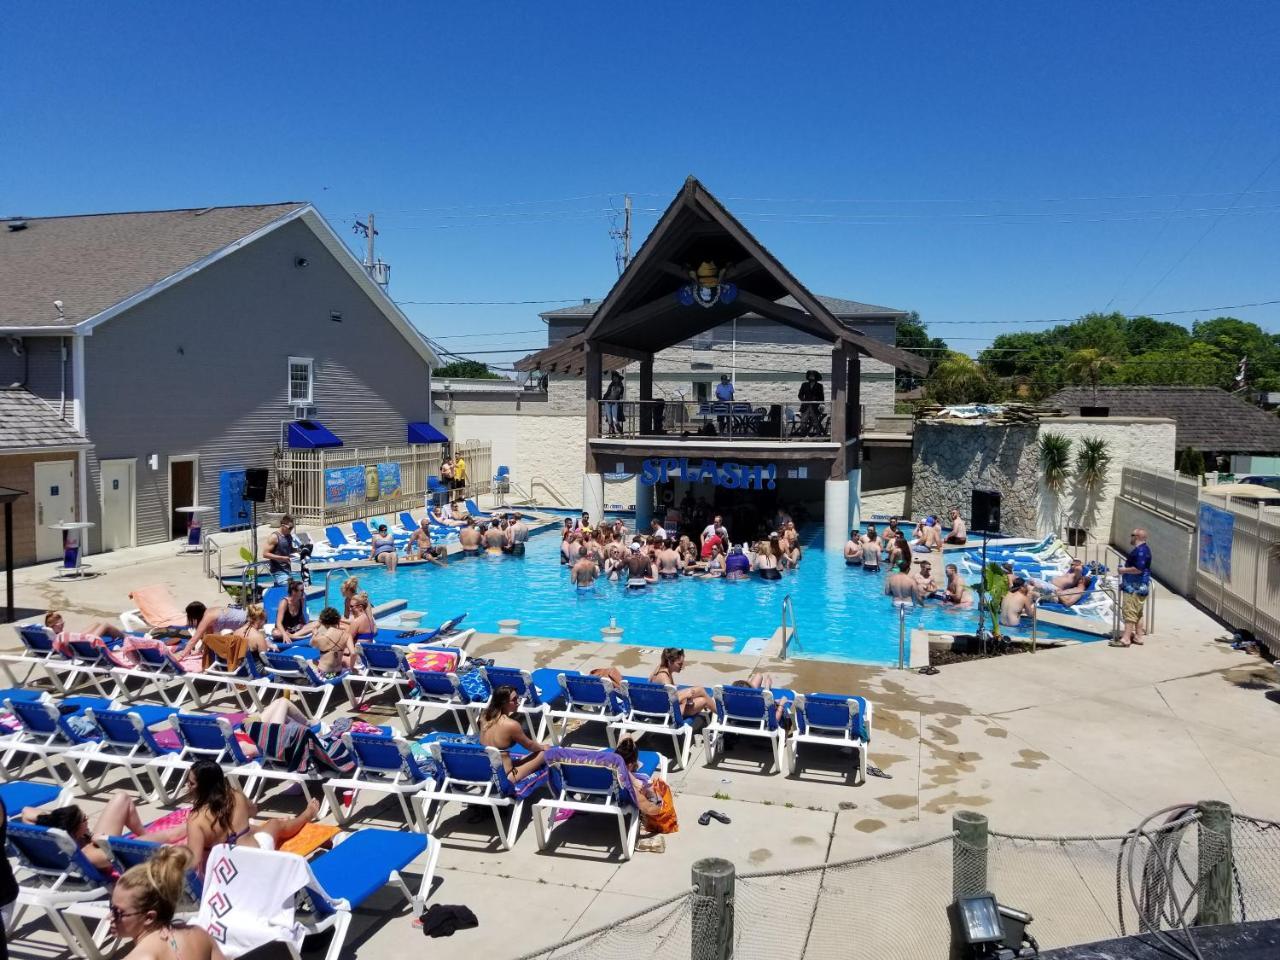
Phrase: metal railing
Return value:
(546, 485)
(788, 613)
(726, 420)
(1169, 494)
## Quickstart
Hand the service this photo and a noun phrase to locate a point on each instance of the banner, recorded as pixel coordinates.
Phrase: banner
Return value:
(731, 476)
(388, 480)
(1217, 530)
(345, 486)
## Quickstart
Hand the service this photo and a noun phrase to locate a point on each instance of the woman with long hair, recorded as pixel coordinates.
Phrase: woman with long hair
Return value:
(499, 728)
(120, 814)
(692, 700)
(221, 813)
(350, 587)
(292, 622)
(143, 905)
(359, 622)
(654, 798)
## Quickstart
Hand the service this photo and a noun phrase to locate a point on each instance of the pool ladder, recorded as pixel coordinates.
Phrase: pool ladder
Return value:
(788, 613)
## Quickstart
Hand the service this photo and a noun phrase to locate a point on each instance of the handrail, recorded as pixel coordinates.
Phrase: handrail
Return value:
(559, 498)
(329, 573)
(788, 611)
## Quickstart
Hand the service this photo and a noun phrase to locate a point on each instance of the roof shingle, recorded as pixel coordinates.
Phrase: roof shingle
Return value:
(93, 262)
(1208, 418)
(29, 423)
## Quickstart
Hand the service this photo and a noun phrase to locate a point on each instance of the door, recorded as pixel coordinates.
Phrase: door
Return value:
(182, 493)
(117, 504)
(55, 502)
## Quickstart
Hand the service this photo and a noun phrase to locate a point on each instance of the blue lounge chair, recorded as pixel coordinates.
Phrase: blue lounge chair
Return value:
(593, 781)
(341, 881)
(37, 654)
(361, 531)
(474, 774)
(587, 698)
(338, 540)
(833, 719)
(535, 698)
(45, 734)
(126, 852)
(442, 691)
(20, 794)
(437, 490)
(89, 659)
(53, 874)
(475, 511)
(200, 737)
(378, 665)
(384, 765)
(297, 675)
(125, 743)
(748, 712)
(407, 523)
(653, 708)
(167, 678)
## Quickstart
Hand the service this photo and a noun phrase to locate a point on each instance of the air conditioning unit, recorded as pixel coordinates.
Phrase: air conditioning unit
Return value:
(304, 411)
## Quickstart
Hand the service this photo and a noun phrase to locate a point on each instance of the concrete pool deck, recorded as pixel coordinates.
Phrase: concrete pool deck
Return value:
(1080, 739)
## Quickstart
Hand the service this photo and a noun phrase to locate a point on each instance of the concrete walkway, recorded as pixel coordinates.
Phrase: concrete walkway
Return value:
(1083, 739)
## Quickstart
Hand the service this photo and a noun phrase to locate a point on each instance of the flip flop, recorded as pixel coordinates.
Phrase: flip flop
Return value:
(1117, 643)
(716, 814)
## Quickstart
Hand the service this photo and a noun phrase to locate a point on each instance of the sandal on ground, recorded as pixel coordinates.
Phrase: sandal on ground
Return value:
(709, 814)
(1116, 643)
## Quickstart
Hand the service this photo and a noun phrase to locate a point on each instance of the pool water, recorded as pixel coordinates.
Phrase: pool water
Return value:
(841, 612)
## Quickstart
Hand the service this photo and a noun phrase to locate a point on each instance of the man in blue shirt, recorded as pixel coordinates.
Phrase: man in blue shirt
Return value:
(1135, 584)
(724, 394)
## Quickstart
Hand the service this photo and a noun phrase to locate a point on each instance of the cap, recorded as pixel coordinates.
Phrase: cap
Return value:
(635, 548)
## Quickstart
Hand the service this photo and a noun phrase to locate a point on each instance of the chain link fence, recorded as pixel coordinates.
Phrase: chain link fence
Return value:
(1078, 889)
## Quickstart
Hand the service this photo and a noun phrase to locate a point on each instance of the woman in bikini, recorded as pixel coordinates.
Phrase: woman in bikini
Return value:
(692, 700)
(360, 623)
(220, 813)
(766, 562)
(292, 622)
(120, 814)
(142, 906)
(500, 729)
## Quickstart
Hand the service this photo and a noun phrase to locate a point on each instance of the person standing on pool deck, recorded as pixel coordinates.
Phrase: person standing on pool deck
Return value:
(811, 397)
(279, 550)
(958, 532)
(1135, 584)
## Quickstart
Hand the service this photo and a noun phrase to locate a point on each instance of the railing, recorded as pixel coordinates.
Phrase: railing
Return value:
(734, 420)
(1167, 494)
(788, 613)
(1242, 583)
(546, 485)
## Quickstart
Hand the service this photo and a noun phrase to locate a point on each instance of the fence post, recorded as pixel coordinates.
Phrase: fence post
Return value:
(712, 934)
(968, 854)
(1215, 867)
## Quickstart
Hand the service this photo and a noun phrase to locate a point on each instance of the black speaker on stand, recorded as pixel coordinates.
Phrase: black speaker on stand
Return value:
(255, 491)
(984, 511)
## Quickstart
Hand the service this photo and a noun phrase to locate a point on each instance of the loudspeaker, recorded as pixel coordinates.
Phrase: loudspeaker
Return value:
(984, 513)
(255, 485)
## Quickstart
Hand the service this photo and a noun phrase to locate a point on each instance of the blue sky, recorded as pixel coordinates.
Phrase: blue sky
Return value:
(990, 165)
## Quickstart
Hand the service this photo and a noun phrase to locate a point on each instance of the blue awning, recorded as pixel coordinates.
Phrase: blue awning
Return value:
(422, 432)
(311, 435)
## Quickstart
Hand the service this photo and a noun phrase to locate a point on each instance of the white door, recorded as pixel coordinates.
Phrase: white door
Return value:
(117, 504)
(55, 502)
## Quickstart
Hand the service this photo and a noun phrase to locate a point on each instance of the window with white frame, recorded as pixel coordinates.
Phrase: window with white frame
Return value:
(301, 377)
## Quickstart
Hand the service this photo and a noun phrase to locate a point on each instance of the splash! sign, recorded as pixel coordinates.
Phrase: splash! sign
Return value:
(731, 476)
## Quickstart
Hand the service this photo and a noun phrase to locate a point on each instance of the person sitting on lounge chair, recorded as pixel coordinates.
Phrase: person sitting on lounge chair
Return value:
(500, 729)
(53, 620)
(445, 519)
(337, 650)
(231, 646)
(654, 798)
(692, 700)
(221, 813)
(120, 814)
(143, 904)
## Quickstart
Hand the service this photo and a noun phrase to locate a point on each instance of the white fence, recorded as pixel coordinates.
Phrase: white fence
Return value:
(1169, 494)
(300, 478)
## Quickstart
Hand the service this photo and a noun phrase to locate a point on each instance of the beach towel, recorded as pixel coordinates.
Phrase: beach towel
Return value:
(227, 647)
(310, 839)
(299, 750)
(665, 820)
(248, 898)
(157, 606)
(432, 661)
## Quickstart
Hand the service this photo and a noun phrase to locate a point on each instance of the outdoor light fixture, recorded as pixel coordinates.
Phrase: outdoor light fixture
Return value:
(985, 930)
(153, 461)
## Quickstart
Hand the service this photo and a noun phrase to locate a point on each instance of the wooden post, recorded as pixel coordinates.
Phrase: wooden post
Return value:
(712, 933)
(968, 854)
(853, 413)
(839, 407)
(8, 561)
(593, 371)
(1214, 843)
(646, 396)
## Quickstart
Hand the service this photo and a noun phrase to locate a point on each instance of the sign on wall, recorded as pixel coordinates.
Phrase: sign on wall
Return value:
(389, 479)
(731, 476)
(1217, 529)
(344, 486)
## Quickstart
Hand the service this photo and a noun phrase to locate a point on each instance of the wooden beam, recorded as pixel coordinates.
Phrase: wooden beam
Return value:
(674, 270)
(782, 314)
(617, 350)
(839, 405)
(742, 269)
(646, 394)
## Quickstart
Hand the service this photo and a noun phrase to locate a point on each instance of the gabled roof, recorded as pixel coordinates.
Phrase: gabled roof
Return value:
(840, 308)
(100, 265)
(1208, 418)
(93, 262)
(29, 423)
(643, 313)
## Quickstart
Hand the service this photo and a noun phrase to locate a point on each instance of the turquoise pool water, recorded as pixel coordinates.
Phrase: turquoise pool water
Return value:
(841, 612)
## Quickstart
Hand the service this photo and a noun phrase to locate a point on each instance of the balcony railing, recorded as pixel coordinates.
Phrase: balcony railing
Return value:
(733, 420)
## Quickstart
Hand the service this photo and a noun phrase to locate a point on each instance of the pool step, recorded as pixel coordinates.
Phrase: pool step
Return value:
(755, 646)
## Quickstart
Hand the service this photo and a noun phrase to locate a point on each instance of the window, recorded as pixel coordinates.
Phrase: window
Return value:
(701, 390)
(1077, 537)
(300, 378)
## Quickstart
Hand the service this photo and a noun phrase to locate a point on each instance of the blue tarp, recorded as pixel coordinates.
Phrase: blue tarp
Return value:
(311, 435)
(422, 432)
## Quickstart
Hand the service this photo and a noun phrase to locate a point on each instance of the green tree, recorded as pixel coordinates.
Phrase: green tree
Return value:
(1237, 339)
(1088, 365)
(913, 335)
(959, 379)
(1196, 364)
(466, 370)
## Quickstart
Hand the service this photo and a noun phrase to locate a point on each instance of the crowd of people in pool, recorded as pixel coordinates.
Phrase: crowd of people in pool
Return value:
(640, 559)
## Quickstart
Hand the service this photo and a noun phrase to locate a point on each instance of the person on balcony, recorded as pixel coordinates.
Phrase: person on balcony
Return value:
(613, 405)
(811, 398)
(724, 394)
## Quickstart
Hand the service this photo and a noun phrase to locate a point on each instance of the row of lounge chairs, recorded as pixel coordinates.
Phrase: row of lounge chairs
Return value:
(341, 546)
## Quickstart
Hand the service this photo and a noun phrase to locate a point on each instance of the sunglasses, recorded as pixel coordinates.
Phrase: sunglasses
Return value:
(117, 914)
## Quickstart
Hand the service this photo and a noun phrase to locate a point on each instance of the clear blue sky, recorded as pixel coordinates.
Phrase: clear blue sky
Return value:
(985, 164)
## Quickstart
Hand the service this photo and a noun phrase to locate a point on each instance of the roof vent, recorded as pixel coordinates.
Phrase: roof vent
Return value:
(16, 225)
(586, 301)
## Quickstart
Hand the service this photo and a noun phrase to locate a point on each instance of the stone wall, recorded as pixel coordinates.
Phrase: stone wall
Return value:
(889, 502)
(951, 459)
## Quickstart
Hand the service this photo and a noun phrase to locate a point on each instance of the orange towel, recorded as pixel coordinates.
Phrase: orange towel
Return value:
(310, 838)
(157, 606)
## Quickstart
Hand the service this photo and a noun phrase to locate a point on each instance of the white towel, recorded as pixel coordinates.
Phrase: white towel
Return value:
(248, 897)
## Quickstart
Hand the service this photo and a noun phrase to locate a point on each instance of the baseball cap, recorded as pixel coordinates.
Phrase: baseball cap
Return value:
(635, 548)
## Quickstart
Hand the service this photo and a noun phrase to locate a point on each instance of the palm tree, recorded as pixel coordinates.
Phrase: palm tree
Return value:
(1089, 365)
(959, 379)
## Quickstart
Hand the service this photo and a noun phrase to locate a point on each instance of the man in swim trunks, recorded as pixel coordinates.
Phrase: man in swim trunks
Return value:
(419, 544)
(640, 572)
(901, 585)
(469, 539)
(1067, 588)
(494, 538)
(853, 549)
(871, 551)
(1017, 603)
(669, 562)
(584, 572)
(958, 533)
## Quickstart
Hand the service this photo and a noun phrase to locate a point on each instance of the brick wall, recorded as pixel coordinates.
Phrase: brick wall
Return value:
(17, 471)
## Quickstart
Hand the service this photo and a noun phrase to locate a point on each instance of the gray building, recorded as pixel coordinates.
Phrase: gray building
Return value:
(177, 346)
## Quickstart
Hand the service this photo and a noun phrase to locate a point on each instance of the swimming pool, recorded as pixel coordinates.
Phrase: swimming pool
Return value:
(841, 612)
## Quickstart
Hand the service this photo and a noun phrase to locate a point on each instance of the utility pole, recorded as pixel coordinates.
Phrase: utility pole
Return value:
(624, 257)
(370, 233)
